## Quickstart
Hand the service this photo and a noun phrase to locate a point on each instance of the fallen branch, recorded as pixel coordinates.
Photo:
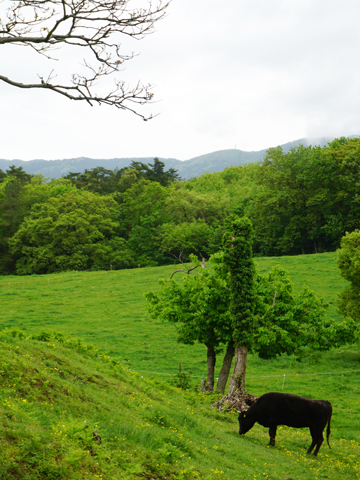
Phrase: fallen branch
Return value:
(240, 402)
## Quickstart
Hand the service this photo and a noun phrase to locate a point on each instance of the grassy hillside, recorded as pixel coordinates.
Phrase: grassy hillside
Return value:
(149, 429)
(106, 309)
(68, 413)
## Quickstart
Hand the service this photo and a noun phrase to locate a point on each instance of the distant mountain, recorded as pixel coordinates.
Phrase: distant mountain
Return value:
(209, 163)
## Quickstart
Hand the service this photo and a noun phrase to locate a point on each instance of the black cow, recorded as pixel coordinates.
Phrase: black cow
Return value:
(273, 409)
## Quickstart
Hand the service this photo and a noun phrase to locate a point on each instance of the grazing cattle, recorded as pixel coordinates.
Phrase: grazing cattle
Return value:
(273, 409)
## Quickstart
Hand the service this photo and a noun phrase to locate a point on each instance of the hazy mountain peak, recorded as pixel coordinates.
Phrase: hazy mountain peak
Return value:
(194, 167)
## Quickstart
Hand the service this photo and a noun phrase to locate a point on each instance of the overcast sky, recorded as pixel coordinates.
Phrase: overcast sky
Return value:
(246, 73)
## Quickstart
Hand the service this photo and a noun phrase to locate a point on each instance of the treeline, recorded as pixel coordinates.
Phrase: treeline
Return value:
(302, 201)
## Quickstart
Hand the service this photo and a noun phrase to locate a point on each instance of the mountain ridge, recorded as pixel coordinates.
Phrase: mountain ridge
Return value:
(196, 166)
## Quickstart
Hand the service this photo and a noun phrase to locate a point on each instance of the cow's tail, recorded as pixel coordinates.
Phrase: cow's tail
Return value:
(328, 430)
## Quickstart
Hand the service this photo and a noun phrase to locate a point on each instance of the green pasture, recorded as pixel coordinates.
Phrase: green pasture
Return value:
(149, 429)
(67, 412)
(106, 309)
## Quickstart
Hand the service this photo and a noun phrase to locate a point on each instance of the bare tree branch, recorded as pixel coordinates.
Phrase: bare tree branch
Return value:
(188, 270)
(185, 271)
(93, 25)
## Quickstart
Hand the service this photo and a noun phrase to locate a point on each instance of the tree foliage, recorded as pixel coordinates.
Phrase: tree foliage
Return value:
(237, 257)
(308, 198)
(18, 192)
(233, 307)
(301, 201)
(184, 239)
(199, 309)
(289, 323)
(67, 232)
(348, 260)
(105, 182)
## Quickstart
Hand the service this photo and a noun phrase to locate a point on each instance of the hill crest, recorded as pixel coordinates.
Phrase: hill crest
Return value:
(207, 163)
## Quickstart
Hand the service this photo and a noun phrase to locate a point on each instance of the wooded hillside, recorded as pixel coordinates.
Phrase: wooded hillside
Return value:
(300, 201)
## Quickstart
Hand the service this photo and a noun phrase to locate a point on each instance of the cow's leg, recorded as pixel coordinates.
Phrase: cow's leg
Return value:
(272, 433)
(317, 439)
(313, 443)
(320, 439)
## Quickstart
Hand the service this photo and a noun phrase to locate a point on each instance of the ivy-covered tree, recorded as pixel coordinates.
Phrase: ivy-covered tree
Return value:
(237, 246)
(267, 317)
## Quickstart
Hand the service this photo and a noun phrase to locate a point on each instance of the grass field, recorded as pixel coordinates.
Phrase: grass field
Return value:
(167, 433)
(106, 309)
(68, 413)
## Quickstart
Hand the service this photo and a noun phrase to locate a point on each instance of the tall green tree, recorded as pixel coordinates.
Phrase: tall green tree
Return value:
(307, 198)
(287, 325)
(65, 233)
(19, 173)
(196, 223)
(104, 181)
(18, 192)
(198, 307)
(155, 172)
(185, 206)
(141, 213)
(96, 180)
(182, 240)
(348, 260)
(231, 307)
(237, 245)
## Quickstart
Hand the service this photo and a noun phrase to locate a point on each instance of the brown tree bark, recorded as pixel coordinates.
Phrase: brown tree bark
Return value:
(211, 360)
(237, 379)
(225, 370)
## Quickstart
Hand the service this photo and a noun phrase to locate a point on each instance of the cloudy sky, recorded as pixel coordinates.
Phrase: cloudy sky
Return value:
(249, 74)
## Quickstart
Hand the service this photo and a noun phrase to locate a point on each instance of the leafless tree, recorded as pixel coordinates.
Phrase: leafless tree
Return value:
(96, 26)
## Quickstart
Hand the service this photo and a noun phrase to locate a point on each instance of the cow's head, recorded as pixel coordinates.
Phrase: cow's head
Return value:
(245, 423)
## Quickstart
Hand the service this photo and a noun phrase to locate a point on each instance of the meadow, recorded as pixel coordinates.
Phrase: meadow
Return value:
(149, 429)
(106, 308)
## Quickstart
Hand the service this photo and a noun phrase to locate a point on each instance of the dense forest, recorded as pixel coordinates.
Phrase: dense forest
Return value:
(300, 201)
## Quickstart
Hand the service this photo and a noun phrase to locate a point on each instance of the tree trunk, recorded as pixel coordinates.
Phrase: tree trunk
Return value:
(237, 379)
(211, 360)
(225, 369)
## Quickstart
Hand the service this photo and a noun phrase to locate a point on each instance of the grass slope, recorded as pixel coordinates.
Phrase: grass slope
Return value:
(148, 428)
(67, 412)
(106, 309)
